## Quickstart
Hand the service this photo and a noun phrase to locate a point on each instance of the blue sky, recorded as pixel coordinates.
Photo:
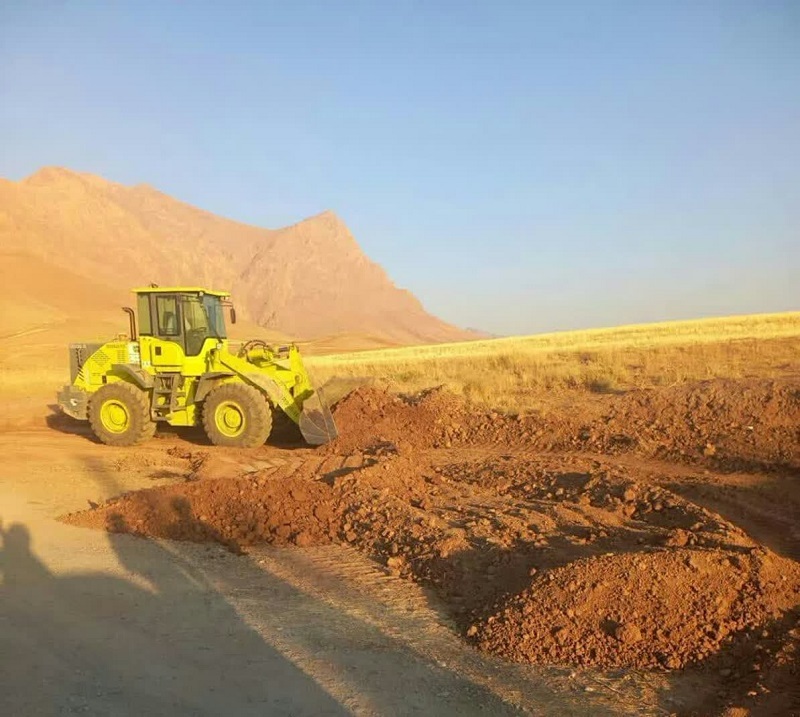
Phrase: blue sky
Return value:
(520, 166)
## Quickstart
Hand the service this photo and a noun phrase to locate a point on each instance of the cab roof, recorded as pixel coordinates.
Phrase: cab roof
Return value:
(180, 290)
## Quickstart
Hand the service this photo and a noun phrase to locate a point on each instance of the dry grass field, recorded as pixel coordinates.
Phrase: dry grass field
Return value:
(509, 374)
(516, 373)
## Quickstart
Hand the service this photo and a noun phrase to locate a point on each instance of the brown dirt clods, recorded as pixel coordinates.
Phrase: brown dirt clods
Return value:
(570, 540)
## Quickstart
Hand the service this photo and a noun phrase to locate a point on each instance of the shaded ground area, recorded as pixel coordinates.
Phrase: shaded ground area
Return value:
(104, 623)
(622, 534)
(95, 643)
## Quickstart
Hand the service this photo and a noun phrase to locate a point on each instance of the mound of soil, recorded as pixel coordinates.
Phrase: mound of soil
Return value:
(369, 416)
(752, 424)
(235, 513)
(756, 674)
(537, 564)
(738, 425)
(617, 507)
(542, 542)
(662, 609)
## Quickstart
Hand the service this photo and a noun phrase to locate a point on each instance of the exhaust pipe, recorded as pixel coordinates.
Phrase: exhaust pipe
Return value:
(132, 318)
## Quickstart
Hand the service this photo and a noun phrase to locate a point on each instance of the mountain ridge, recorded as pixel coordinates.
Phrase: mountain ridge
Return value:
(308, 279)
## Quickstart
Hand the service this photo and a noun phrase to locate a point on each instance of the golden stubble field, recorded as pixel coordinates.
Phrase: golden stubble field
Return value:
(518, 373)
(526, 372)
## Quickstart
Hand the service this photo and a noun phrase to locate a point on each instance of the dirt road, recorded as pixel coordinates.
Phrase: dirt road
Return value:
(434, 560)
(98, 623)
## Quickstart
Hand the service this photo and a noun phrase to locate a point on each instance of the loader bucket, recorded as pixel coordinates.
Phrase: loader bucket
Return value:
(316, 421)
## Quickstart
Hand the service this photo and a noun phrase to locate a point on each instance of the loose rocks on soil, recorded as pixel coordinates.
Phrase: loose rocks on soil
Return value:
(545, 547)
(734, 425)
(662, 609)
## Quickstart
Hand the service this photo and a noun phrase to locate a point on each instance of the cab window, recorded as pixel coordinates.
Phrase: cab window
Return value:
(167, 313)
(194, 315)
(143, 308)
(216, 319)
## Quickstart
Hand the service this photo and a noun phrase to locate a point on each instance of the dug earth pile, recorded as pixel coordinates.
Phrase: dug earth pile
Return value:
(569, 539)
(728, 424)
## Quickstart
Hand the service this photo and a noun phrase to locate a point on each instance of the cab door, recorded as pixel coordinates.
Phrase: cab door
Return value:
(167, 351)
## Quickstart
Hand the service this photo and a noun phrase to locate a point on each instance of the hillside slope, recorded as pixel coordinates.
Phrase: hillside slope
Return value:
(308, 280)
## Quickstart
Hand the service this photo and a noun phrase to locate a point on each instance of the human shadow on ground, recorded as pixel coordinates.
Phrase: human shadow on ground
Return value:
(167, 640)
(95, 643)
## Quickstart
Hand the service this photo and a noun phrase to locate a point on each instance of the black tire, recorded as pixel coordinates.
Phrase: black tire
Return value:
(237, 414)
(119, 414)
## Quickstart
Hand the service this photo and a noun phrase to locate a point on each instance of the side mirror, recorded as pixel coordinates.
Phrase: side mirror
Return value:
(233, 315)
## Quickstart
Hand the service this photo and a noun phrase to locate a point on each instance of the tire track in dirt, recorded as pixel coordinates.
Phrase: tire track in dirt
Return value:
(604, 556)
(414, 617)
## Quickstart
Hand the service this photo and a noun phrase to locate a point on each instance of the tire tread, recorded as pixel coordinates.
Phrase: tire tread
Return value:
(259, 415)
(138, 402)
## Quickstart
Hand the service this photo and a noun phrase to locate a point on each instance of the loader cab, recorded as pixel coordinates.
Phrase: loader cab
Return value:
(182, 323)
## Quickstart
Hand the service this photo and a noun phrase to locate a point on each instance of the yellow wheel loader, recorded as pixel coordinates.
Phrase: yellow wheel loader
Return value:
(178, 369)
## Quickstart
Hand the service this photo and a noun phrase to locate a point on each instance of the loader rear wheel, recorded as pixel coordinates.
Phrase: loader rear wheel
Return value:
(237, 414)
(119, 414)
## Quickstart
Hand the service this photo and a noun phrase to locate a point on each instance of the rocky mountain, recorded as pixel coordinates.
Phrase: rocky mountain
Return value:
(308, 280)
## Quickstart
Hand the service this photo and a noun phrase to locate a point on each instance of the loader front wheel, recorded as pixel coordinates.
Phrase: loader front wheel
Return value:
(119, 414)
(237, 414)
